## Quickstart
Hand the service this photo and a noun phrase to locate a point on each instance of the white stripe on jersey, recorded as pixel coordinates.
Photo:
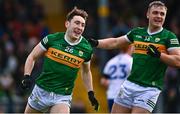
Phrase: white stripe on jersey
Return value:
(42, 46)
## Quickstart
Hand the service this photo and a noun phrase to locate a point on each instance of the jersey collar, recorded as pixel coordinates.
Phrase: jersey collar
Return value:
(72, 44)
(152, 33)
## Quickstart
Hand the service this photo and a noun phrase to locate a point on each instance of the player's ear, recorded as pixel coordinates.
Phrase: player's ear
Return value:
(147, 14)
(66, 24)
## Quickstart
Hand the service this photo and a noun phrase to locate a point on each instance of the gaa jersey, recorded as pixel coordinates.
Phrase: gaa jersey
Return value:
(148, 70)
(61, 63)
(117, 69)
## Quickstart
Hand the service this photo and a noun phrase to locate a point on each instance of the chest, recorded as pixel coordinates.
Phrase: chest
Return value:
(142, 40)
(155, 39)
(77, 50)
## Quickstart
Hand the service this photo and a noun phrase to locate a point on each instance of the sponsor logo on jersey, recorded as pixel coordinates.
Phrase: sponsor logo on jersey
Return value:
(153, 83)
(64, 58)
(174, 41)
(157, 39)
(45, 40)
(147, 38)
(138, 36)
(141, 47)
(80, 53)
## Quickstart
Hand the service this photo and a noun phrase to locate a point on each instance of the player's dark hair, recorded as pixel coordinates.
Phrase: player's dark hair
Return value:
(76, 12)
(157, 3)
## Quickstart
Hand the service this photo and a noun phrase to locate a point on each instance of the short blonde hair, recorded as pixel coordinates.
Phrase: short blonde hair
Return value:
(157, 3)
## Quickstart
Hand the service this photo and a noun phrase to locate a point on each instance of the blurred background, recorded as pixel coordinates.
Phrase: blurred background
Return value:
(23, 23)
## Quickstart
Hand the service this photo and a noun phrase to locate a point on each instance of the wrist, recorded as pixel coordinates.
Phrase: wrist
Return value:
(93, 42)
(91, 93)
(159, 54)
(97, 43)
(26, 75)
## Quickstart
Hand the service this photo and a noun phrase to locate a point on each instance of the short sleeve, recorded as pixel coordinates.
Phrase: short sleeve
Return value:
(130, 35)
(172, 41)
(88, 50)
(45, 42)
(89, 58)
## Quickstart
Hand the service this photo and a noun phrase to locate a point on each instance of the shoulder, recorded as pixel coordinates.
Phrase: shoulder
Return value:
(114, 60)
(126, 57)
(85, 43)
(55, 35)
(169, 33)
(137, 30)
(51, 38)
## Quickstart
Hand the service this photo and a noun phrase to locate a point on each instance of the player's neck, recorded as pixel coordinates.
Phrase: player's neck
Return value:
(153, 30)
(72, 41)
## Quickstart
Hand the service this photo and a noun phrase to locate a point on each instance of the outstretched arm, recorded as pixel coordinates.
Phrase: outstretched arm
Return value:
(113, 43)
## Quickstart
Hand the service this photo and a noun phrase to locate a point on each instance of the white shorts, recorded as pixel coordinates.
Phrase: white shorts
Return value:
(132, 94)
(42, 100)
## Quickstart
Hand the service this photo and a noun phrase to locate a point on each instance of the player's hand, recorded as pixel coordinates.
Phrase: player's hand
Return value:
(93, 42)
(26, 82)
(153, 51)
(93, 100)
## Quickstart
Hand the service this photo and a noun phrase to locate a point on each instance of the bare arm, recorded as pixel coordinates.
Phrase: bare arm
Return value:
(113, 43)
(33, 56)
(87, 76)
(173, 59)
(105, 82)
(87, 79)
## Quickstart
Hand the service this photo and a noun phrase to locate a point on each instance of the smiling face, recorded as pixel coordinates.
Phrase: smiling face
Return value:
(75, 27)
(156, 15)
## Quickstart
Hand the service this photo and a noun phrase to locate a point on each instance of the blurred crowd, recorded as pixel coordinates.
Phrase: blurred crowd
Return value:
(22, 26)
(124, 15)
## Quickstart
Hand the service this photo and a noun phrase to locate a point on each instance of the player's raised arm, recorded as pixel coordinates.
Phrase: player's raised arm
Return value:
(110, 43)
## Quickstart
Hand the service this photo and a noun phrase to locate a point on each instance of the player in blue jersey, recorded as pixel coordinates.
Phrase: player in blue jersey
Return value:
(116, 72)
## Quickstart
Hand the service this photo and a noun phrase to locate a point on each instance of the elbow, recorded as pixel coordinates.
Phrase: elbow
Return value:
(177, 64)
(31, 58)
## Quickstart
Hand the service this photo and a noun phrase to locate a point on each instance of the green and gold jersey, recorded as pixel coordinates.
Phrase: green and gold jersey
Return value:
(61, 63)
(147, 70)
